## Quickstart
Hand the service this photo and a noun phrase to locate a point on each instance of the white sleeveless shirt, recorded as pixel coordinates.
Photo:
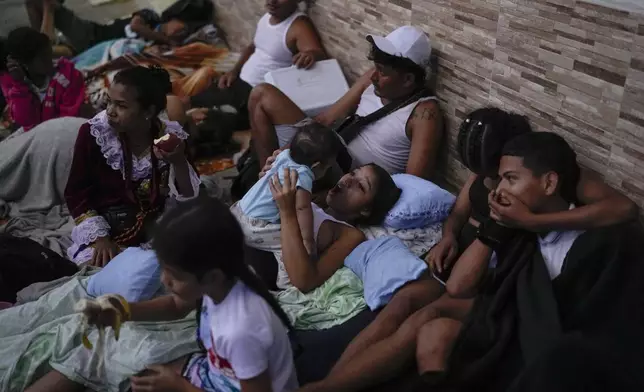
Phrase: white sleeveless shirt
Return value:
(319, 217)
(271, 49)
(385, 141)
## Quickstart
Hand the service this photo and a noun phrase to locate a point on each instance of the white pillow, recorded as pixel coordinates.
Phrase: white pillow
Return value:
(421, 204)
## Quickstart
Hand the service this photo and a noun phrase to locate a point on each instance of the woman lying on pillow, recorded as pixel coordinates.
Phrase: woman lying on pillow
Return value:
(385, 348)
(363, 196)
(119, 179)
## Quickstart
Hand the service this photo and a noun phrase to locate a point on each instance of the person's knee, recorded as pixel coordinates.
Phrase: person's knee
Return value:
(438, 329)
(260, 93)
(412, 325)
(435, 339)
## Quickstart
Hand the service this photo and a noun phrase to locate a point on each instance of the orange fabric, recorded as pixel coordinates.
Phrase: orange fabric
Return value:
(212, 166)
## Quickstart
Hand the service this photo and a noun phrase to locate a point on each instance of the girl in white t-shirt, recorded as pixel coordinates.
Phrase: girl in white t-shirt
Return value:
(242, 329)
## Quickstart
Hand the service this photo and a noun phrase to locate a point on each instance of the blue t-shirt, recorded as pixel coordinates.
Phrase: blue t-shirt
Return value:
(258, 202)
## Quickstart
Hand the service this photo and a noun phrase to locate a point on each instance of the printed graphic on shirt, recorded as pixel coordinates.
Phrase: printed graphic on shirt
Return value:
(61, 79)
(199, 374)
(217, 374)
(218, 362)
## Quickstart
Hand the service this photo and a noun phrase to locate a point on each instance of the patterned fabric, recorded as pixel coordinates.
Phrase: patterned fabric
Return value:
(419, 241)
(197, 372)
(258, 233)
(106, 51)
(192, 68)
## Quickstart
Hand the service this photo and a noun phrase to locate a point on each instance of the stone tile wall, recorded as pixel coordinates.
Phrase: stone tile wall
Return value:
(574, 67)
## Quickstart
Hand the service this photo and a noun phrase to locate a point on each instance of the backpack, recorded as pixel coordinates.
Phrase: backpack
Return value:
(24, 262)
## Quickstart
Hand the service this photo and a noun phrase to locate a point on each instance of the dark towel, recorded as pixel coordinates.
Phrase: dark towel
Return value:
(521, 313)
(587, 364)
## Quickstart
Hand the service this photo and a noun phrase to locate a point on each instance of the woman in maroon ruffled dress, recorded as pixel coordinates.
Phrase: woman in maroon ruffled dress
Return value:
(120, 181)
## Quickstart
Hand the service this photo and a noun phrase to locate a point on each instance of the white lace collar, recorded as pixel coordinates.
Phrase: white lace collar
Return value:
(110, 145)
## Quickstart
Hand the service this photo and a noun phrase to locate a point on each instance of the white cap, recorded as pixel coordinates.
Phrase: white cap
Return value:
(406, 41)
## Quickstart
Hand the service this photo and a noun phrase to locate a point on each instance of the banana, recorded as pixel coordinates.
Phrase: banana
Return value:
(92, 309)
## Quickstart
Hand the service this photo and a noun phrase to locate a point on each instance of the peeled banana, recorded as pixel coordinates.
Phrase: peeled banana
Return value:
(95, 312)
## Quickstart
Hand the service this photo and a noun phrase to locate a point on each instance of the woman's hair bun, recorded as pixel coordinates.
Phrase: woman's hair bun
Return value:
(483, 134)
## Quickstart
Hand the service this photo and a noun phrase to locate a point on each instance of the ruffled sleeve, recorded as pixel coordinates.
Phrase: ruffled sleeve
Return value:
(89, 227)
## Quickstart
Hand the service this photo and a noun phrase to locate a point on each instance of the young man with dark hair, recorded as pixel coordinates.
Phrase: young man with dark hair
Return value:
(404, 141)
(545, 288)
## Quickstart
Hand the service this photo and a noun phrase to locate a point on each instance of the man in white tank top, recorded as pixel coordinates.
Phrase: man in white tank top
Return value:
(284, 37)
(405, 141)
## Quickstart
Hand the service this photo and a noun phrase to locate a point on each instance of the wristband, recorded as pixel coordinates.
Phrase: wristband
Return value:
(494, 235)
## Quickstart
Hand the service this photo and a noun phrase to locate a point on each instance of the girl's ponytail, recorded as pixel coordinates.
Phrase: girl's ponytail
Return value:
(248, 277)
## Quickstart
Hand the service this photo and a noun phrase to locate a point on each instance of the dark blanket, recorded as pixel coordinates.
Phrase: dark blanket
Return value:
(581, 364)
(522, 314)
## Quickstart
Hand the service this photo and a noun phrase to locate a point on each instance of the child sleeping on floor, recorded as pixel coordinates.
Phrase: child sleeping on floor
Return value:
(241, 327)
(312, 152)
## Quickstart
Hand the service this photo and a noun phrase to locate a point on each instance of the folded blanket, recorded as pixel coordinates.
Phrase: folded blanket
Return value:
(46, 333)
(34, 167)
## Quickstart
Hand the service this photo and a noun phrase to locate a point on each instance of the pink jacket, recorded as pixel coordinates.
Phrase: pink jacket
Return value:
(65, 96)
